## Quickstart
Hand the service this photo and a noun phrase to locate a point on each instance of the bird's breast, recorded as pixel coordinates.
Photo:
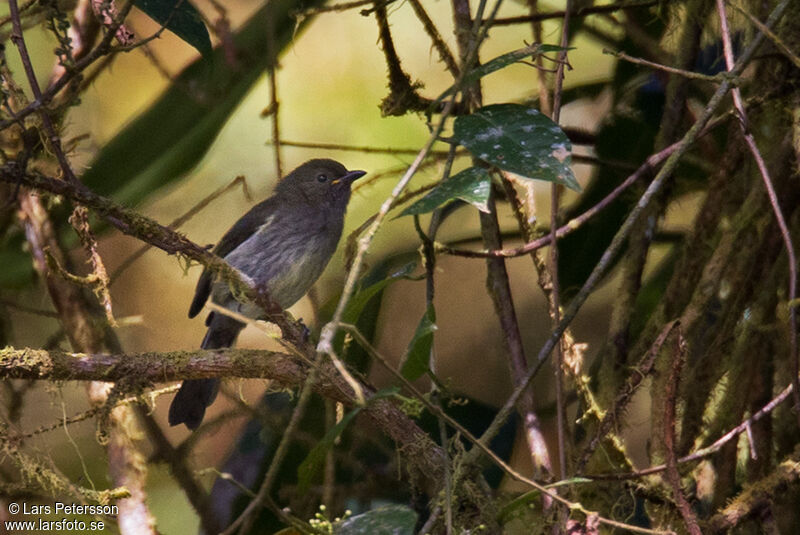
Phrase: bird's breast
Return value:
(286, 256)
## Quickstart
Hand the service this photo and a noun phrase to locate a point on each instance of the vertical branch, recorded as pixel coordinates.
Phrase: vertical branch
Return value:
(78, 314)
(497, 283)
(80, 222)
(430, 270)
(500, 291)
(555, 293)
(126, 463)
(672, 475)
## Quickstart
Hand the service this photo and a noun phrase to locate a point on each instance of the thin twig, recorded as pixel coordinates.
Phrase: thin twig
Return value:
(277, 459)
(28, 310)
(579, 12)
(180, 220)
(773, 200)
(545, 104)
(274, 104)
(329, 330)
(621, 236)
(337, 8)
(670, 400)
(24, 7)
(429, 258)
(50, 130)
(480, 446)
(357, 148)
(709, 450)
(666, 68)
(555, 293)
(772, 36)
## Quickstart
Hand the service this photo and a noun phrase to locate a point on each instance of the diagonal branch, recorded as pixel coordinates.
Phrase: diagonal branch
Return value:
(773, 198)
(622, 234)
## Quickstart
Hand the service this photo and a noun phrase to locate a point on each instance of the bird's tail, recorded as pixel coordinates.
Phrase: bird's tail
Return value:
(189, 405)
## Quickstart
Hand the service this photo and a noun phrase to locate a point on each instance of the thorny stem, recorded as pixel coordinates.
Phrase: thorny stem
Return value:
(626, 392)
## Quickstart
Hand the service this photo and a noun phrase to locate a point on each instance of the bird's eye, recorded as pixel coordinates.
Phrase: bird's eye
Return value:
(322, 178)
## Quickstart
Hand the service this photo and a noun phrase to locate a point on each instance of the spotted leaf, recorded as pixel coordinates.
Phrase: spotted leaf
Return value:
(518, 139)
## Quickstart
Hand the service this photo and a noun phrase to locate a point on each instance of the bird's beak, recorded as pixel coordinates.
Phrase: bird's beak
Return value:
(350, 177)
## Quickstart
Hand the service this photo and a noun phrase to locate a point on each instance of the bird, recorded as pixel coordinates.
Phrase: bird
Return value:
(283, 245)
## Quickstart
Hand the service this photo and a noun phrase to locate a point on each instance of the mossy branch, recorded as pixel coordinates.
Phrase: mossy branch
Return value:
(424, 457)
(151, 367)
(134, 224)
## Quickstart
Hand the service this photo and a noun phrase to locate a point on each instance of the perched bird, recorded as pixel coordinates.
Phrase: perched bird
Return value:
(282, 244)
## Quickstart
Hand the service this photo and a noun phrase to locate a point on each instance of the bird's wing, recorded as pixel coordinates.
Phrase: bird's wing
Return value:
(241, 230)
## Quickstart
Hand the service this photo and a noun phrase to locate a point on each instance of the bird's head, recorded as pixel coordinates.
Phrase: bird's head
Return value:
(319, 182)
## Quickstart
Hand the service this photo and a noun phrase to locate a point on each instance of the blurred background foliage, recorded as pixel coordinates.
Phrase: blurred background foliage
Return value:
(162, 127)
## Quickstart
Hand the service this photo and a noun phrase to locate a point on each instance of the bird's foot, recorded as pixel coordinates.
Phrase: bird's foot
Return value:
(305, 332)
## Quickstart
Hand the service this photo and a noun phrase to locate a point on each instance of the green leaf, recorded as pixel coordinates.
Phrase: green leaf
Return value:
(471, 185)
(388, 520)
(181, 18)
(495, 64)
(518, 139)
(417, 361)
(313, 462)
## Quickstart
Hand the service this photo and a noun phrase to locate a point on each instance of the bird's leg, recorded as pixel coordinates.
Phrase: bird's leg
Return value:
(305, 331)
